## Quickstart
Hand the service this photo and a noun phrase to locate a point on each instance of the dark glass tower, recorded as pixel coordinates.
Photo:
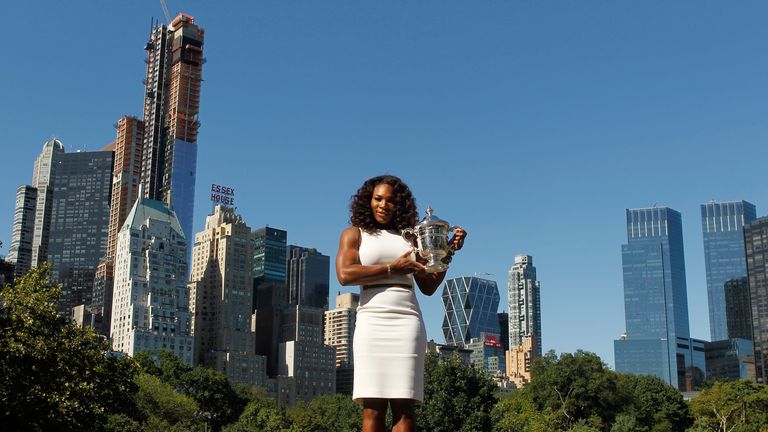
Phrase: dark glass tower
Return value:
(269, 291)
(471, 306)
(308, 277)
(79, 223)
(756, 248)
(656, 341)
(722, 224)
(737, 309)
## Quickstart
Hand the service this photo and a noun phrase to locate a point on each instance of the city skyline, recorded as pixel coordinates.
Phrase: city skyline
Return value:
(549, 123)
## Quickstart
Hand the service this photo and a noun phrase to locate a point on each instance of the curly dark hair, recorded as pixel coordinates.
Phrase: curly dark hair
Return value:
(360, 205)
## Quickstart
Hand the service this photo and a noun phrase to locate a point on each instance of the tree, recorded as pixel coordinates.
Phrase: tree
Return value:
(731, 406)
(578, 385)
(215, 395)
(518, 413)
(262, 415)
(457, 397)
(163, 364)
(653, 403)
(161, 406)
(56, 376)
(327, 414)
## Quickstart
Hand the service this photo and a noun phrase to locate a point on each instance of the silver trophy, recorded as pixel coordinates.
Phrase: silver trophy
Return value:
(432, 239)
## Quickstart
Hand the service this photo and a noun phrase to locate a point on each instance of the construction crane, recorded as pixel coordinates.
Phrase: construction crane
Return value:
(164, 5)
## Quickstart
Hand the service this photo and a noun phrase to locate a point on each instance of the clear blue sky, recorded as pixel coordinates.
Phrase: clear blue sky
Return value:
(532, 124)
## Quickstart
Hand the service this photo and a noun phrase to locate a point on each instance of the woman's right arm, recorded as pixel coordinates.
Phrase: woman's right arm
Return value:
(349, 271)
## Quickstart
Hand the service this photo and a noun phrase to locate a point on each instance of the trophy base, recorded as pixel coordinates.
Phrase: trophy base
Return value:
(435, 267)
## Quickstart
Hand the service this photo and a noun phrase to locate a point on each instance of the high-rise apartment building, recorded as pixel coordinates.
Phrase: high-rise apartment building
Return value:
(220, 290)
(308, 277)
(524, 294)
(756, 249)
(171, 107)
(43, 176)
(77, 237)
(722, 225)
(470, 305)
(657, 339)
(150, 304)
(302, 354)
(519, 360)
(126, 177)
(20, 250)
(339, 329)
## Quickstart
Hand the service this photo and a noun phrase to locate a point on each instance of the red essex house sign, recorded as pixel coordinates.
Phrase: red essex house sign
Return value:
(223, 195)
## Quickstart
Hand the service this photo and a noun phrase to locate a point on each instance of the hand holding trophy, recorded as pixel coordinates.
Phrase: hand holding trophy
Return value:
(432, 240)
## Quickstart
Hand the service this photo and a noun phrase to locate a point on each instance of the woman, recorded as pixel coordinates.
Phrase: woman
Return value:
(390, 339)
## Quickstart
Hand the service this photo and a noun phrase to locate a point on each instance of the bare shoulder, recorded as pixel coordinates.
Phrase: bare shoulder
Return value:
(350, 236)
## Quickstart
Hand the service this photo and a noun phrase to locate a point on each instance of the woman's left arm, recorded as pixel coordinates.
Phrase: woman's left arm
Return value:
(429, 282)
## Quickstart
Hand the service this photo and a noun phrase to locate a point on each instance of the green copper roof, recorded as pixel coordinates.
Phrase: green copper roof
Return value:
(145, 208)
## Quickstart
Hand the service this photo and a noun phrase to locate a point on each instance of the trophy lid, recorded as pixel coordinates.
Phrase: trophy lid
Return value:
(431, 219)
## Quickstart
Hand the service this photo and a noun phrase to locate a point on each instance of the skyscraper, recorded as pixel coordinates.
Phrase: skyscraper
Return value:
(524, 303)
(150, 304)
(269, 291)
(125, 190)
(339, 328)
(738, 309)
(220, 290)
(302, 354)
(657, 340)
(42, 180)
(722, 224)
(20, 250)
(77, 237)
(470, 305)
(171, 106)
(308, 277)
(756, 248)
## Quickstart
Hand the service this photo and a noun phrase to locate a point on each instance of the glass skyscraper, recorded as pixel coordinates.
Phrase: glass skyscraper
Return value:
(308, 277)
(471, 306)
(657, 340)
(78, 223)
(722, 224)
(756, 249)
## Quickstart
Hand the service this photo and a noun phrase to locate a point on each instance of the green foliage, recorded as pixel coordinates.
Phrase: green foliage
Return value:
(579, 386)
(56, 376)
(328, 414)
(517, 413)
(218, 398)
(627, 423)
(159, 402)
(653, 403)
(163, 364)
(457, 397)
(731, 406)
(262, 415)
(215, 395)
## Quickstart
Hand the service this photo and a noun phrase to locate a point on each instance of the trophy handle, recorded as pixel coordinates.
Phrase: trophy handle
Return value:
(413, 232)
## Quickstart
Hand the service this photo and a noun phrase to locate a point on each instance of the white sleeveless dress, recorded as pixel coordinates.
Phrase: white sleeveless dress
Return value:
(390, 339)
